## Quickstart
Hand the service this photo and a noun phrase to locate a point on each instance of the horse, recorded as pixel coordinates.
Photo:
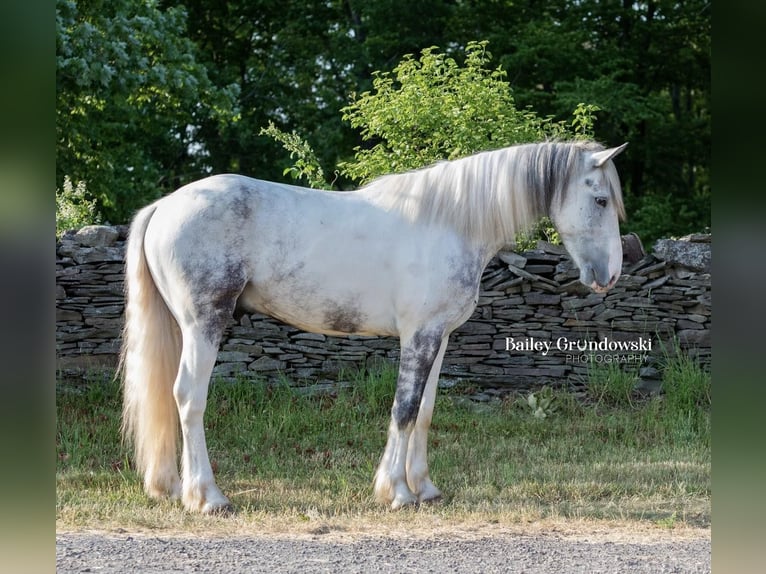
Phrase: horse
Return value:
(401, 256)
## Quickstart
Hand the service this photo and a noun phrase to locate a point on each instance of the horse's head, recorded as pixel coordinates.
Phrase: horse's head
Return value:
(587, 218)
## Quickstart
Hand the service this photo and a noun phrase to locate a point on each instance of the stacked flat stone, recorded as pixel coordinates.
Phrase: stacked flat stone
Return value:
(664, 297)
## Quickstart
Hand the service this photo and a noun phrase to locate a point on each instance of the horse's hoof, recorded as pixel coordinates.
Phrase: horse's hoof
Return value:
(435, 499)
(429, 493)
(403, 501)
(218, 509)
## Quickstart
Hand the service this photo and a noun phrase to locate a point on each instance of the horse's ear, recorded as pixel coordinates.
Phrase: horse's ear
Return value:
(601, 157)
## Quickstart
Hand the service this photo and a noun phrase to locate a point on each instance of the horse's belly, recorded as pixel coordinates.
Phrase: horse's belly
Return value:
(386, 283)
(317, 313)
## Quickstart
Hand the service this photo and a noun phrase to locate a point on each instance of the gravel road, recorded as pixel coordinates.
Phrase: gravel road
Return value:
(522, 553)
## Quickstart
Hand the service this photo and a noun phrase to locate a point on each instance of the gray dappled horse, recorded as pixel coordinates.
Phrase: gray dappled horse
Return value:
(402, 256)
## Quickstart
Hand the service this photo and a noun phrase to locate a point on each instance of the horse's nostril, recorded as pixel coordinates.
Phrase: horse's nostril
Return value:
(609, 284)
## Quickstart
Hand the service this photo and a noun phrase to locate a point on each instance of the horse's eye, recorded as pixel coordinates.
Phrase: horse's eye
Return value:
(601, 201)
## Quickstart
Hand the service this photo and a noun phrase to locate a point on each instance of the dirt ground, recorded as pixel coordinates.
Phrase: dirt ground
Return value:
(484, 549)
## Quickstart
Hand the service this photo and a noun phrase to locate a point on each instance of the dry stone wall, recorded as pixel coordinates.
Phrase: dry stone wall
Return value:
(534, 323)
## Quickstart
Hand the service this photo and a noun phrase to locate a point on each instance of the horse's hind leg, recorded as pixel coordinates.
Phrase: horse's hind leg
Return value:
(199, 491)
(419, 352)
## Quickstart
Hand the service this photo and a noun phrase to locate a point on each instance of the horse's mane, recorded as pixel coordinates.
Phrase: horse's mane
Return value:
(492, 194)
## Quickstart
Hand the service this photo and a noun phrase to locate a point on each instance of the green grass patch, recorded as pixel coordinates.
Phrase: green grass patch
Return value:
(288, 457)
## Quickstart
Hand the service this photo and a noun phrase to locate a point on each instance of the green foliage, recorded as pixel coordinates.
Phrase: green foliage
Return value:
(130, 98)
(584, 120)
(153, 94)
(657, 216)
(432, 108)
(686, 392)
(306, 164)
(294, 64)
(610, 385)
(686, 385)
(74, 207)
(541, 404)
(543, 229)
(683, 409)
(615, 55)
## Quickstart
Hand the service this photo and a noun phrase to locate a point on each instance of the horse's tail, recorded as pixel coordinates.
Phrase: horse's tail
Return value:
(151, 351)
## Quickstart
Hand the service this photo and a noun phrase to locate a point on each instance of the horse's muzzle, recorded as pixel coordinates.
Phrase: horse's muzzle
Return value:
(597, 280)
(598, 288)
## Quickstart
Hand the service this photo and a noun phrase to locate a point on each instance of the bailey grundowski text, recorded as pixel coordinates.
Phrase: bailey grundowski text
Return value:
(565, 345)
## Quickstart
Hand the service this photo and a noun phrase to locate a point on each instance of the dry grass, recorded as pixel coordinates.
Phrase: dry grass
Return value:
(298, 466)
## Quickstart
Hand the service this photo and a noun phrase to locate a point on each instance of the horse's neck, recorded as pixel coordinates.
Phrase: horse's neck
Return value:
(512, 207)
(442, 196)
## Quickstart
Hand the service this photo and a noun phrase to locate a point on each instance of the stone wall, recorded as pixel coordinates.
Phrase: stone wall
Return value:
(527, 300)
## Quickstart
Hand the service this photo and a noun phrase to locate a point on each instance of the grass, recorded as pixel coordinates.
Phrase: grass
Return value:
(288, 460)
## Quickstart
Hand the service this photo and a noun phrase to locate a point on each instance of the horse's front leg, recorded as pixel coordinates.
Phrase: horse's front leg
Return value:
(417, 452)
(418, 354)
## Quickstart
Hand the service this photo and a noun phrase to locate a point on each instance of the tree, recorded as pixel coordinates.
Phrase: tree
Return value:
(130, 99)
(296, 62)
(646, 65)
(288, 60)
(433, 108)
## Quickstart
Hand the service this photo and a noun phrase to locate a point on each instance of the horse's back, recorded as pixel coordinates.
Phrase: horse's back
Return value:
(329, 262)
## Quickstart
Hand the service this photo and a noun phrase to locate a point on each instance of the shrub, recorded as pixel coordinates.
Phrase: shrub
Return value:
(74, 207)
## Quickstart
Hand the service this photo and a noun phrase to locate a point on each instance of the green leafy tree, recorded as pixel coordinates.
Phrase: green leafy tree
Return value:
(295, 62)
(131, 133)
(433, 108)
(645, 64)
(130, 100)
